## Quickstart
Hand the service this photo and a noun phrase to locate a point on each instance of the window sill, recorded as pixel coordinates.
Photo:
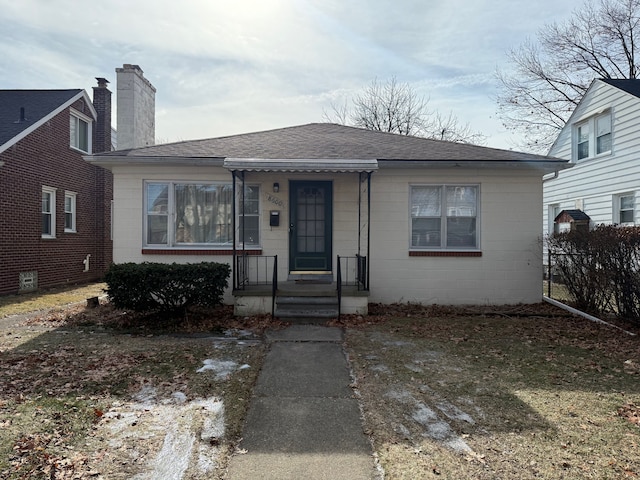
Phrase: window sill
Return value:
(444, 253)
(193, 251)
(79, 150)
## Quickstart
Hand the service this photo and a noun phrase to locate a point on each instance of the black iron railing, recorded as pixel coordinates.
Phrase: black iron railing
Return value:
(255, 271)
(252, 270)
(353, 271)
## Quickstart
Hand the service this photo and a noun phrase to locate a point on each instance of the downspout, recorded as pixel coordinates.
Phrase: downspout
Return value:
(368, 227)
(359, 211)
(233, 228)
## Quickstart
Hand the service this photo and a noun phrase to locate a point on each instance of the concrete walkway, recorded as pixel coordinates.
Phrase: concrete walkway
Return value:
(303, 421)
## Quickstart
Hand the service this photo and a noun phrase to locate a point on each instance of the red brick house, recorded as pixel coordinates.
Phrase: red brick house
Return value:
(55, 208)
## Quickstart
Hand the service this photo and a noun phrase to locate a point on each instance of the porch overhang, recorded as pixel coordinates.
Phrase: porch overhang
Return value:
(303, 165)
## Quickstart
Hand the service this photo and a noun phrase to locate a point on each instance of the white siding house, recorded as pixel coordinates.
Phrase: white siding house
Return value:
(602, 143)
(412, 220)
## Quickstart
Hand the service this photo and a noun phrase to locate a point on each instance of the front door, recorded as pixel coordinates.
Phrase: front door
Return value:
(310, 226)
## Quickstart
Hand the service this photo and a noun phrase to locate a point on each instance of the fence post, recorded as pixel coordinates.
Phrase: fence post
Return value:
(549, 274)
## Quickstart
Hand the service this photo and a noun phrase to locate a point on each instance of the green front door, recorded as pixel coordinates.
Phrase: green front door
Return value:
(310, 226)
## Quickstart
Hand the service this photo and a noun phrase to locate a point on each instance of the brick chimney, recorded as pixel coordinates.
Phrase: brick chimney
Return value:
(102, 104)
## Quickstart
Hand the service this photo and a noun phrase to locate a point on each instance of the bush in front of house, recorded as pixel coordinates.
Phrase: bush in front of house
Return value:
(170, 288)
(601, 268)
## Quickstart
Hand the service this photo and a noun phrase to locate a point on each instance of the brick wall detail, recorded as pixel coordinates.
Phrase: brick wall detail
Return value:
(44, 158)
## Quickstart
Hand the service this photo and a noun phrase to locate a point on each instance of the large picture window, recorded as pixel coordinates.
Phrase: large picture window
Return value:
(444, 216)
(198, 214)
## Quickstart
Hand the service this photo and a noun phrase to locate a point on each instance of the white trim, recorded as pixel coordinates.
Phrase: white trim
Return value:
(51, 191)
(75, 114)
(300, 165)
(171, 216)
(74, 210)
(443, 219)
(46, 118)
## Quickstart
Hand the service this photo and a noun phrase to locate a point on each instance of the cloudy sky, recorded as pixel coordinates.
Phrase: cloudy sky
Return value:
(227, 67)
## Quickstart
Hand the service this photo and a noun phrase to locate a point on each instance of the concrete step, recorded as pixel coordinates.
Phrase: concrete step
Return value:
(304, 313)
(306, 300)
(306, 307)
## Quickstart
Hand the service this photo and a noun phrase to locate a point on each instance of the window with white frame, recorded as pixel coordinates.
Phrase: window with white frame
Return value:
(554, 211)
(48, 212)
(180, 214)
(80, 131)
(593, 136)
(625, 207)
(69, 212)
(444, 216)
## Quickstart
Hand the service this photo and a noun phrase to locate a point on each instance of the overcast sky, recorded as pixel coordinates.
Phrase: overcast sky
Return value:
(227, 67)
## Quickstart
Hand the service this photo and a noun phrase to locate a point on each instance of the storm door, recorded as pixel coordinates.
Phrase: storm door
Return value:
(310, 226)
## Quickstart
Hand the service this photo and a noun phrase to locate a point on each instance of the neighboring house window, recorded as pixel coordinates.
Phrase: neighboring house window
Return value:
(198, 214)
(593, 136)
(583, 141)
(625, 208)
(80, 132)
(554, 211)
(69, 212)
(444, 216)
(48, 212)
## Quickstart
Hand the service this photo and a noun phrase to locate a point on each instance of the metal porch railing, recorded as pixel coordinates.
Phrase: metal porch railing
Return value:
(257, 270)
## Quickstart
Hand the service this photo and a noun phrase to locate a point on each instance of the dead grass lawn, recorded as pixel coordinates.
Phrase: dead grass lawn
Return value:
(105, 394)
(501, 394)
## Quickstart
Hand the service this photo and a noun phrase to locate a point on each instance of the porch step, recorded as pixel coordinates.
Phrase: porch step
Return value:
(306, 307)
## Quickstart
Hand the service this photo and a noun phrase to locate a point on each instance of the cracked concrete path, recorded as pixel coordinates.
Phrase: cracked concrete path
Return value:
(304, 421)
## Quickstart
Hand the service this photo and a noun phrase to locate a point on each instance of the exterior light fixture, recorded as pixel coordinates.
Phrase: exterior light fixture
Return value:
(276, 187)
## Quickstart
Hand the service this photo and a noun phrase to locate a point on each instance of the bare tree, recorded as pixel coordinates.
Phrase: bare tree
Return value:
(448, 128)
(550, 76)
(395, 107)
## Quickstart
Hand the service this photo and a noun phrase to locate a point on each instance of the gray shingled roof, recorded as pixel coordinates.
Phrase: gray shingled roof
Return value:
(631, 86)
(325, 141)
(37, 104)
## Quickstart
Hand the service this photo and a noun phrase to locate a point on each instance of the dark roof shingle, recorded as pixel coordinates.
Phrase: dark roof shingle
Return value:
(37, 104)
(326, 141)
(631, 86)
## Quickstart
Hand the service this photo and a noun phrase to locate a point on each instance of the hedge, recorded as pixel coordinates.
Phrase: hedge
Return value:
(166, 287)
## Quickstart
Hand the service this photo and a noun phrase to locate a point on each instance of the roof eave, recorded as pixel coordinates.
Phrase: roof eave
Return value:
(107, 161)
(541, 166)
(302, 165)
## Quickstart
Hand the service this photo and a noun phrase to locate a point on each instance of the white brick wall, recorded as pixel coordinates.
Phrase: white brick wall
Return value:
(508, 272)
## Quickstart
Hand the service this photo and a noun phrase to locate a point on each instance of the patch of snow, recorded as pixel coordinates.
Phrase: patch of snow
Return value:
(221, 368)
(173, 460)
(179, 397)
(380, 368)
(400, 395)
(171, 425)
(146, 395)
(453, 412)
(438, 429)
(413, 367)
